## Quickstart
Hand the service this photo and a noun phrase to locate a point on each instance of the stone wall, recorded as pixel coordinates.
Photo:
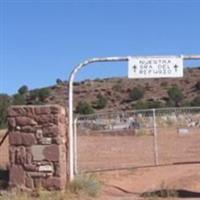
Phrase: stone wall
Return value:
(37, 138)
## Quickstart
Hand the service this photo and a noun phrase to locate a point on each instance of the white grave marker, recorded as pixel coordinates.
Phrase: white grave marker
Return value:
(45, 168)
(155, 67)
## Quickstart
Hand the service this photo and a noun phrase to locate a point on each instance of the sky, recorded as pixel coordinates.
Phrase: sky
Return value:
(43, 40)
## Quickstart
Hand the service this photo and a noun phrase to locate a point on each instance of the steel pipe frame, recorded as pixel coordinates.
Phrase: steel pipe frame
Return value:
(71, 81)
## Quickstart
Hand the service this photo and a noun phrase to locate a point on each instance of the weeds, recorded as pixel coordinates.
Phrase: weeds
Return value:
(87, 184)
(83, 187)
(163, 192)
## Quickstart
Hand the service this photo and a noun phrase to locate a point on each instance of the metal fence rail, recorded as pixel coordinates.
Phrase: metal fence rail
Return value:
(137, 138)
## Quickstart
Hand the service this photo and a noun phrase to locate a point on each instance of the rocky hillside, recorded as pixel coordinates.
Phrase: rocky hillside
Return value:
(112, 94)
(117, 91)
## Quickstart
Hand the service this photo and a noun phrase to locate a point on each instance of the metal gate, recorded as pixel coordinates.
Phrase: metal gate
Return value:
(122, 140)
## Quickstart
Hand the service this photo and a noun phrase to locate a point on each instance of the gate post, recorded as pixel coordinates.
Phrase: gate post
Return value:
(37, 138)
(156, 161)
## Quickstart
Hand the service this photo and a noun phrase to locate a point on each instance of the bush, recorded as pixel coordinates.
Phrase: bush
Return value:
(196, 101)
(43, 94)
(155, 104)
(39, 96)
(147, 105)
(175, 95)
(140, 105)
(87, 184)
(19, 99)
(5, 102)
(84, 108)
(101, 102)
(136, 94)
(23, 90)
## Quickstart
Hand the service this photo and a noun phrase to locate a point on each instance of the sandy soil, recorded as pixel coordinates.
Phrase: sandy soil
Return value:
(100, 152)
(129, 184)
(137, 152)
(3, 151)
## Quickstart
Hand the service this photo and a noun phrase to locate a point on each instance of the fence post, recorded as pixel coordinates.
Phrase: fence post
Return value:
(156, 161)
(75, 146)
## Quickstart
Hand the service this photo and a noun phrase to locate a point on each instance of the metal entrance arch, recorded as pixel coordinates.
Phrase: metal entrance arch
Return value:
(71, 80)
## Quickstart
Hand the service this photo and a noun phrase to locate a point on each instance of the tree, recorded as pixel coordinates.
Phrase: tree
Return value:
(23, 90)
(101, 102)
(84, 108)
(136, 94)
(59, 81)
(5, 102)
(175, 95)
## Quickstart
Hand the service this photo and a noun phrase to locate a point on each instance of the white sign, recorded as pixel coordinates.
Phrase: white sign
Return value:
(183, 131)
(155, 67)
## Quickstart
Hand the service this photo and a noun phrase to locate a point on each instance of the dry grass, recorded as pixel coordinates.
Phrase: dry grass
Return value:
(164, 191)
(83, 187)
(87, 184)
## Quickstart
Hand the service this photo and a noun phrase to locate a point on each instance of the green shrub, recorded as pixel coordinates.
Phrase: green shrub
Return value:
(136, 94)
(175, 95)
(84, 108)
(196, 101)
(19, 99)
(5, 102)
(38, 96)
(155, 104)
(147, 105)
(101, 102)
(140, 105)
(43, 94)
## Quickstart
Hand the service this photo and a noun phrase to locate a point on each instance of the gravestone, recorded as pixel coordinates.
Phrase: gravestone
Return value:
(38, 154)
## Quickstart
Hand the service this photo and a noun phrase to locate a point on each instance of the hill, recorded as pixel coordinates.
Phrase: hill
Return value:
(113, 94)
(117, 90)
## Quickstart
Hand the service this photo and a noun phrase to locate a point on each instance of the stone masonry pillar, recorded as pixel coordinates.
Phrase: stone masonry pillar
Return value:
(38, 153)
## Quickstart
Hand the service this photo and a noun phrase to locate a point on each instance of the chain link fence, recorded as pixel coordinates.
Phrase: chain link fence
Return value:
(117, 140)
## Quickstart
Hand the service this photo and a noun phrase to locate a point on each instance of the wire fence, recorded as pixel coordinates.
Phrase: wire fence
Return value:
(138, 138)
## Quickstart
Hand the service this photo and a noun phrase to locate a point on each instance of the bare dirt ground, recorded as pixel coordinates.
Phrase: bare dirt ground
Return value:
(105, 151)
(3, 151)
(101, 152)
(179, 155)
(129, 184)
